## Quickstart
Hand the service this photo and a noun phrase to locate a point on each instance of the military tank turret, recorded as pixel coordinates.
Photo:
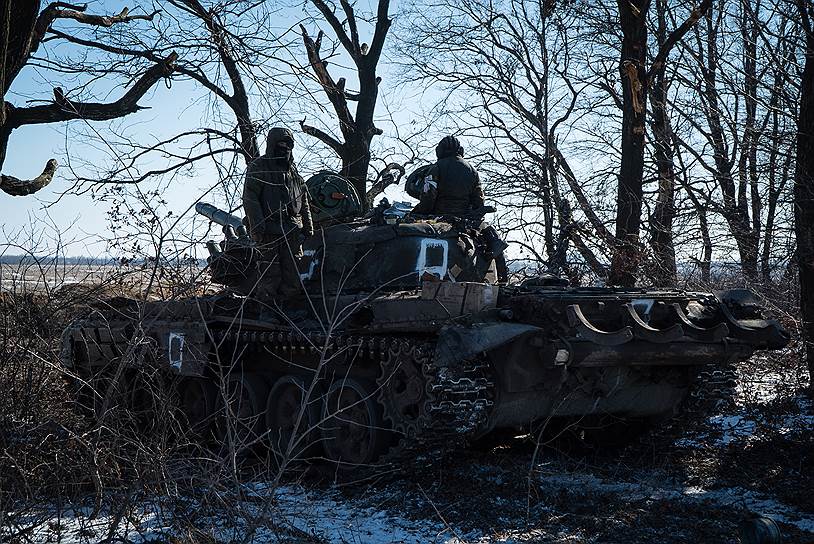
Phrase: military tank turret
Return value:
(403, 339)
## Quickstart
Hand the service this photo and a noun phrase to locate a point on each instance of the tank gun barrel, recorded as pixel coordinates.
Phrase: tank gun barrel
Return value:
(221, 217)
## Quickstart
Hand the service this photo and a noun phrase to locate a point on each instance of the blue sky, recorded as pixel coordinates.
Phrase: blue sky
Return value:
(82, 216)
(52, 213)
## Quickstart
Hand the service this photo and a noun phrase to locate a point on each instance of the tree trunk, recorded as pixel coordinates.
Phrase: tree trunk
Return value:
(772, 200)
(626, 256)
(706, 259)
(19, 18)
(804, 194)
(357, 142)
(750, 232)
(705, 263)
(661, 221)
(355, 162)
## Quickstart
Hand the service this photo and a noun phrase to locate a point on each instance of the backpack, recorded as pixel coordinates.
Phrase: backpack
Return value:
(415, 181)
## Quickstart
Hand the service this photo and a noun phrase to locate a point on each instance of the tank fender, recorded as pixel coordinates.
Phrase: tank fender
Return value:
(459, 342)
(747, 321)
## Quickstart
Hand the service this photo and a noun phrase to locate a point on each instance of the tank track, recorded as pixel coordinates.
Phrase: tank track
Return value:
(455, 404)
(450, 405)
(715, 389)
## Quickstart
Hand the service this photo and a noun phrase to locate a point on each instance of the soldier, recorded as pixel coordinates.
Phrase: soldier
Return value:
(275, 200)
(452, 186)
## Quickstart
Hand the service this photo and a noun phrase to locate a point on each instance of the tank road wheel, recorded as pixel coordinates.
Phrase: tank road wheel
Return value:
(198, 401)
(282, 410)
(352, 431)
(142, 398)
(401, 388)
(246, 407)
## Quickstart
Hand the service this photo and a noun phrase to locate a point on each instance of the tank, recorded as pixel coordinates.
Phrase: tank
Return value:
(402, 339)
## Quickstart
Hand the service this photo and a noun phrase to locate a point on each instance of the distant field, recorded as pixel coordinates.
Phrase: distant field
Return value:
(30, 277)
(27, 277)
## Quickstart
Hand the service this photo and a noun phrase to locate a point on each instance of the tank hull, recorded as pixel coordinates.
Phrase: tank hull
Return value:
(401, 341)
(437, 379)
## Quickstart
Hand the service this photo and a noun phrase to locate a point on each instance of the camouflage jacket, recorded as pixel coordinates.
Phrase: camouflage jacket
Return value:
(275, 198)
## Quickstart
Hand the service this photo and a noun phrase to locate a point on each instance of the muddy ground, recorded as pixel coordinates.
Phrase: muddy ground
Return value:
(692, 479)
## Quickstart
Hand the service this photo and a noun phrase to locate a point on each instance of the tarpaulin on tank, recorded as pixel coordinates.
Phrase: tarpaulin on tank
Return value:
(374, 234)
(433, 230)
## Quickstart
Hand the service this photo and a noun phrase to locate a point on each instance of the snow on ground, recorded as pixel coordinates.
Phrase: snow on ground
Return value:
(295, 513)
(733, 427)
(287, 514)
(768, 376)
(646, 489)
(336, 520)
(745, 428)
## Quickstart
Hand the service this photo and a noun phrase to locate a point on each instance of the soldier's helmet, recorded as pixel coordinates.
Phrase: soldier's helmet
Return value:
(279, 135)
(449, 146)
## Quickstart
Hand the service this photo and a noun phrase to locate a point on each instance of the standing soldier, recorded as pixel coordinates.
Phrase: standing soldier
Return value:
(275, 200)
(452, 186)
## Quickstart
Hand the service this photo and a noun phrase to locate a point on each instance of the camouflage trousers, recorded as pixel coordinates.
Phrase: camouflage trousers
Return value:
(279, 263)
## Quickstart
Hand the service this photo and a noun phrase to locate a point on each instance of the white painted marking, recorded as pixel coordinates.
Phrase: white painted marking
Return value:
(312, 266)
(439, 268)
(175, 350)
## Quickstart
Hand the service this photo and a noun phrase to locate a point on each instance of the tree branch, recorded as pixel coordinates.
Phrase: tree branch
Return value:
(332, 90)
(676, 35)
(323, 137)
(383, 23)
(383, 180)
(239, 101)
(149, 55)
(19, 187)
(354, 31)
(77, 13)
(62, 10)
(64, 109)
(338, 29)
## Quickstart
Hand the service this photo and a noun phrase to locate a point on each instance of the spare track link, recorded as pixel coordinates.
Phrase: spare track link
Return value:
(453, 402)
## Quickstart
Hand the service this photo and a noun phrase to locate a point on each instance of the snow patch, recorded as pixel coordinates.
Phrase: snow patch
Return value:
(734, 427)
(279, 515)
(728, 496)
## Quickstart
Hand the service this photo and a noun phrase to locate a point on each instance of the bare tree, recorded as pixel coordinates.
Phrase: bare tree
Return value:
(23, 32)
(737, 102)
(636, 78)
(357, 128)
(221, 60)
(804, 187)
(509, 84)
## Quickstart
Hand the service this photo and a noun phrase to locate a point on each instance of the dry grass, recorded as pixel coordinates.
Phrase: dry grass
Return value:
(124, 468)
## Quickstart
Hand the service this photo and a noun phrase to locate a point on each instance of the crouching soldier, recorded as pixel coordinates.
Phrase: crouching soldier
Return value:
(275, 201)
(452, 186)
